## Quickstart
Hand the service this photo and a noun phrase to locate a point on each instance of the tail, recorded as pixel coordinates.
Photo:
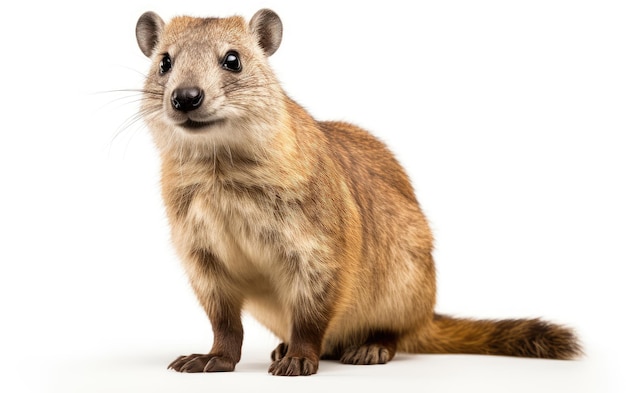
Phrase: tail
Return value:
(532, 338)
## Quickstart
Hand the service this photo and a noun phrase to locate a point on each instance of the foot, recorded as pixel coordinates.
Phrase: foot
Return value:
(367, 354)
(291, 366)
(294, 366)
(202, 364)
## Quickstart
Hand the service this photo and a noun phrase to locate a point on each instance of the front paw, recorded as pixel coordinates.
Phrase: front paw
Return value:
(202, 364)
(293, 366)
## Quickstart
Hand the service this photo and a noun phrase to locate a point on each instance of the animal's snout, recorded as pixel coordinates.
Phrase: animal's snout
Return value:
(186, 99)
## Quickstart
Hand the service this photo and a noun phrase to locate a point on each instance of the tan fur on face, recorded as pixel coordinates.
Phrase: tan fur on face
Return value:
(311, 226)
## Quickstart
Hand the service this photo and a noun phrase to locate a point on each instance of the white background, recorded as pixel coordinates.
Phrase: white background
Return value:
(508, 116)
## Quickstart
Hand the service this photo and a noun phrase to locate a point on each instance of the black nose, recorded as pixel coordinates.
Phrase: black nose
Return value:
(186, 99)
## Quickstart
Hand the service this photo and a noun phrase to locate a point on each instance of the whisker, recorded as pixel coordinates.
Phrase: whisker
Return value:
(130, 123)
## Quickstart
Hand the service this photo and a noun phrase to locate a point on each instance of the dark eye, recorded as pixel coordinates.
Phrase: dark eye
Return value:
(166, 64)
(231, 62)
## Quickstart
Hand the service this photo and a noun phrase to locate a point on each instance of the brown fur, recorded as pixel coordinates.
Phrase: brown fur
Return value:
(311, 226)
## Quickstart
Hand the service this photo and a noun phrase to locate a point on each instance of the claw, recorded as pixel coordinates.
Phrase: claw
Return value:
(291, 366)
(202, 363)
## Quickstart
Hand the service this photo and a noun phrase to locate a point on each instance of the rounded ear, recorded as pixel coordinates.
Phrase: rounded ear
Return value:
(148, 31)
(268, 28)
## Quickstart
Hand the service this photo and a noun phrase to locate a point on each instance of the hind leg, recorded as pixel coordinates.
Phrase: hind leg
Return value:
(379, 348)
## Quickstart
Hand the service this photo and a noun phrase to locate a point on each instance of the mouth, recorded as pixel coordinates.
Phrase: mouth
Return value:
(193, 125)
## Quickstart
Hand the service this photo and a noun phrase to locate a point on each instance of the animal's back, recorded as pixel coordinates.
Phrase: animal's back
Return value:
(396, 273)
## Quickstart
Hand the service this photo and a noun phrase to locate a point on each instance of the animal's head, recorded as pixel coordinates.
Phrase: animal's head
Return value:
(210, 84)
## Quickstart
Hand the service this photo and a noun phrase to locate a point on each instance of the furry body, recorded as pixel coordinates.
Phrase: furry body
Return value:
(311, 226)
